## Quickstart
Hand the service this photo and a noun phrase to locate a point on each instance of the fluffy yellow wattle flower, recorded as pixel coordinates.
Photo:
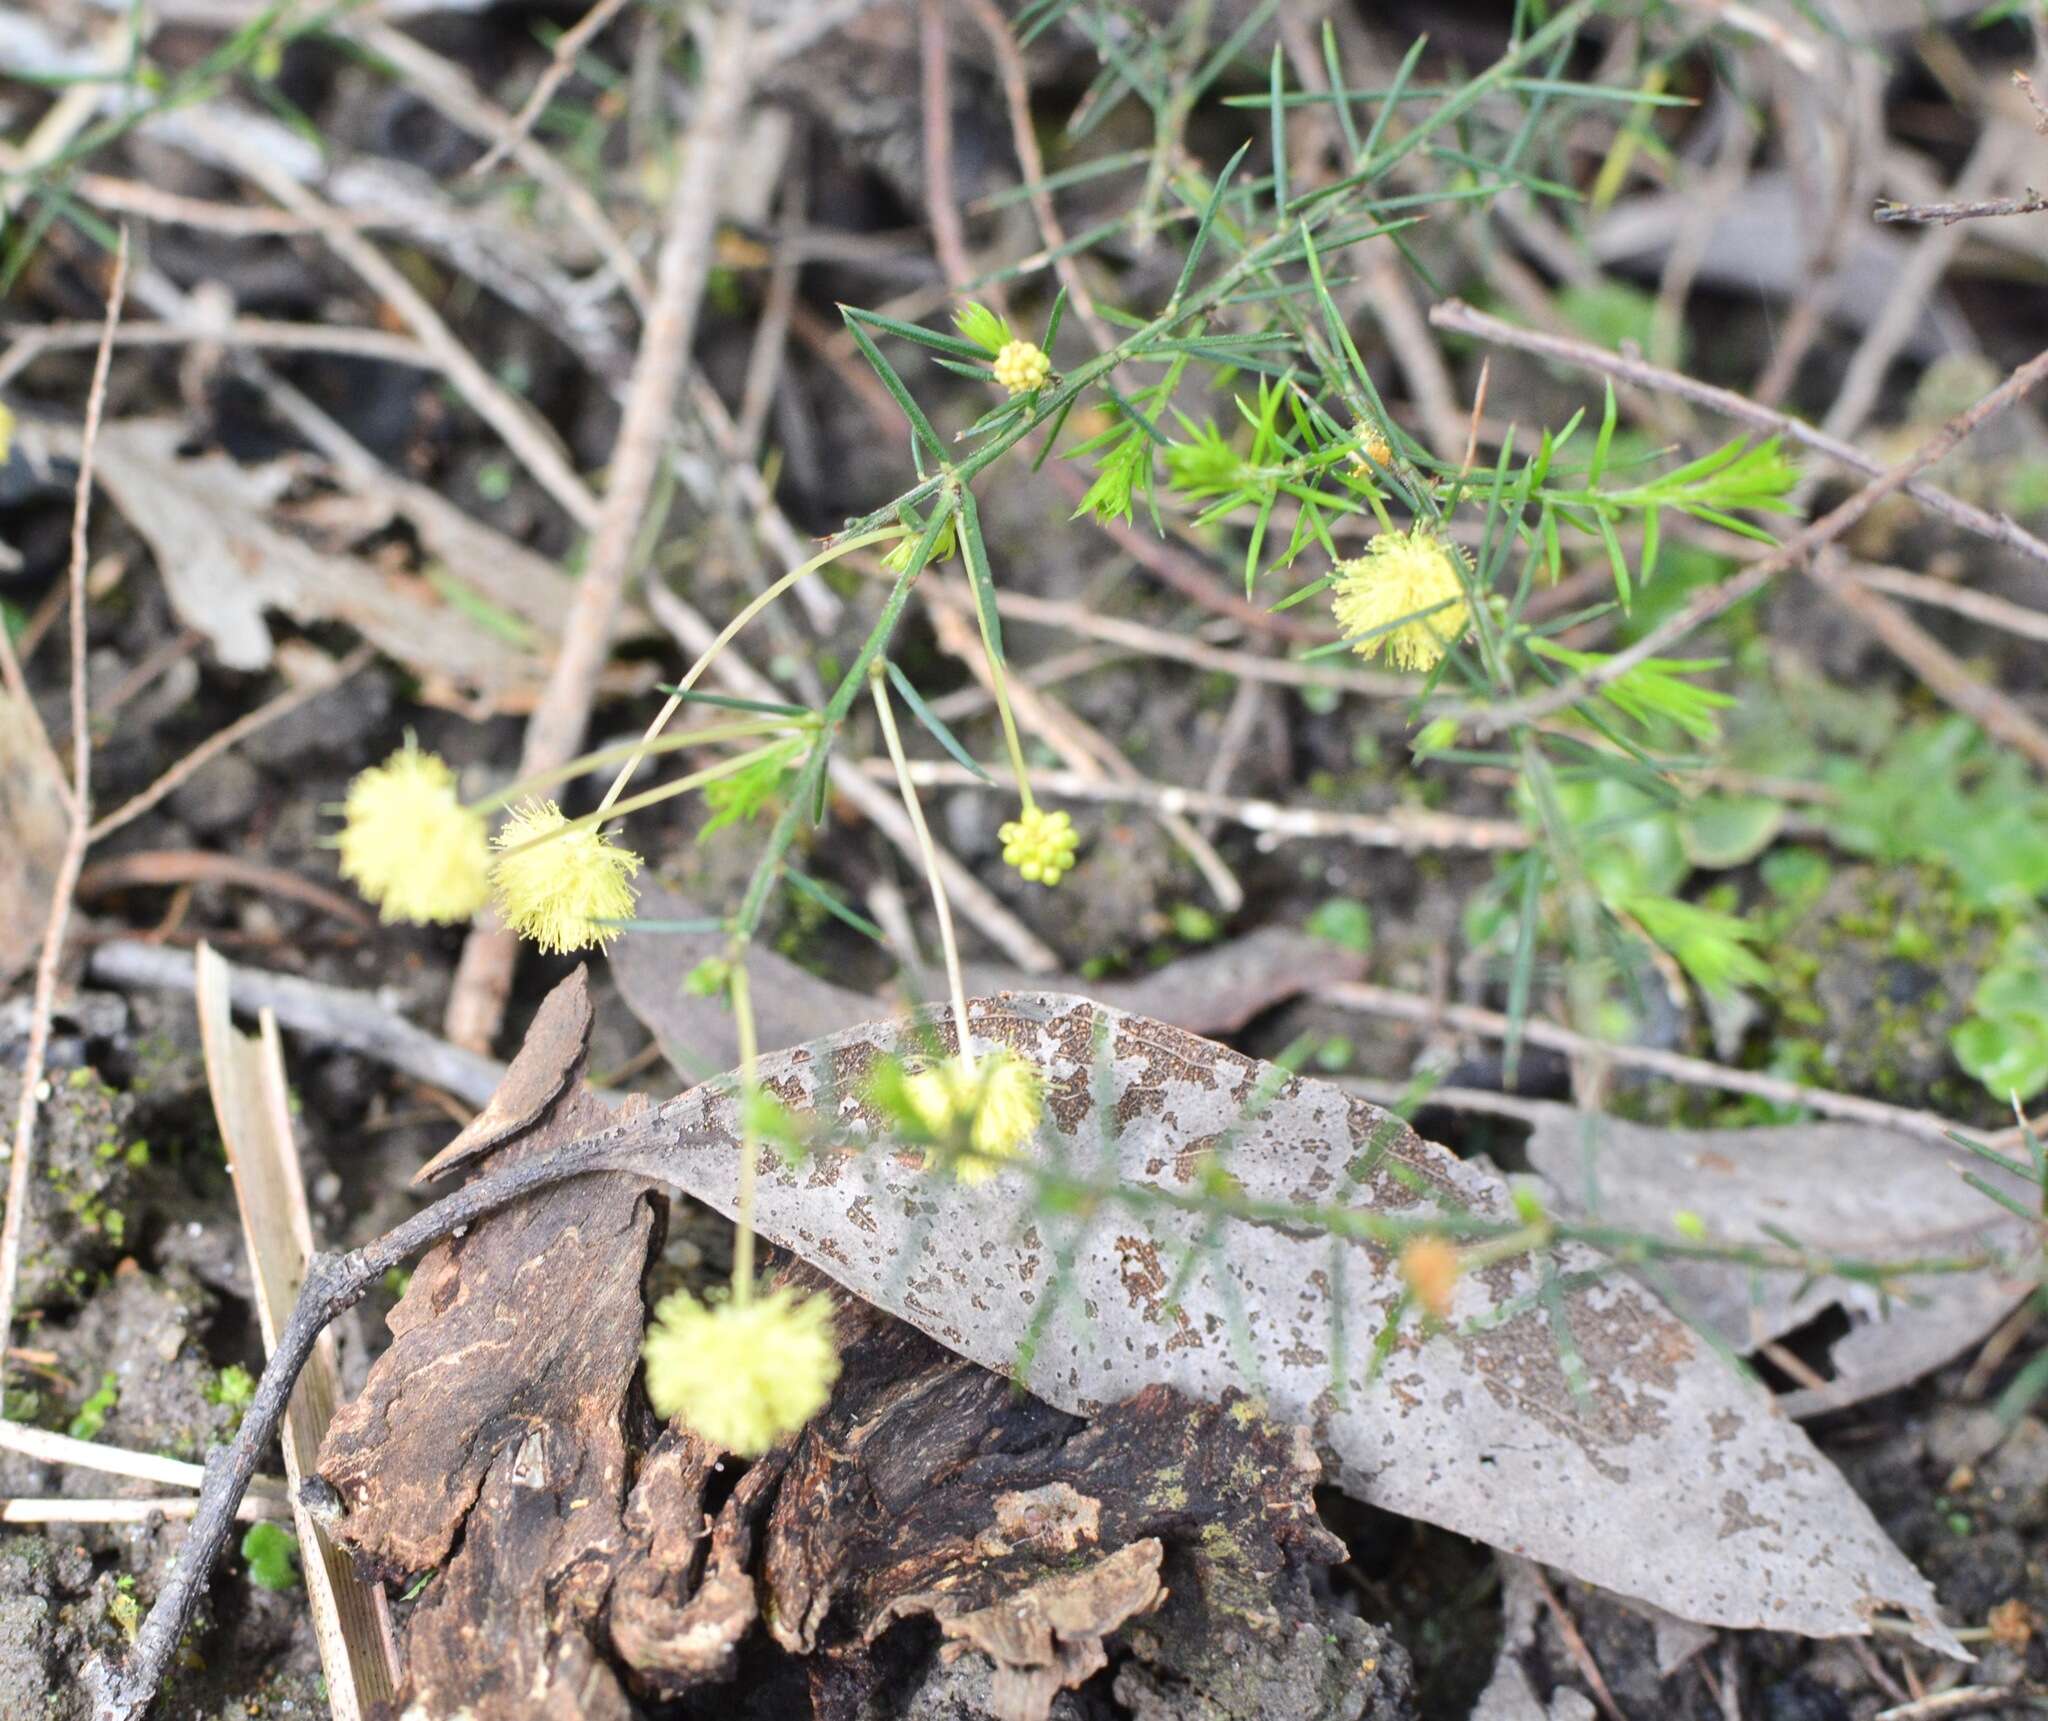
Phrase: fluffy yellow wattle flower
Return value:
(409, 845)
(1021, 367)
(742, 1375)
(559, 892)
(1040, 845)
(1401, 575)
(998, 1102)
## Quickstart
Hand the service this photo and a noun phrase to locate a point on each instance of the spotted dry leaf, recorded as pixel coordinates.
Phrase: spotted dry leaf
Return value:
(1902, 1197)
(1566, 1415)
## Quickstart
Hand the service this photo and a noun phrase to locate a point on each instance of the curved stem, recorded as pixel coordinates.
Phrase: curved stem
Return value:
(831, 553)
(940, 904)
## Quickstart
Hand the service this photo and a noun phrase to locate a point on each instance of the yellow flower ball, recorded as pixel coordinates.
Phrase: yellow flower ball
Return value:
(1040, 845)
(559, 890)
(1401, 575)
(997, 1103)
(409, 845)
(742, 1375)
(1021, 367)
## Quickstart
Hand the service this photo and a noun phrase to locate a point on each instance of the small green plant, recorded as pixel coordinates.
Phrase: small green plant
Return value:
(271, 1554)
(1344, 922)
(2004, 1044)
(93, 1413)
(122, 1607)
(234, 1388)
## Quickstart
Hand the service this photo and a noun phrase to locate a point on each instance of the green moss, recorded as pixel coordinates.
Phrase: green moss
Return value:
(93, 1413)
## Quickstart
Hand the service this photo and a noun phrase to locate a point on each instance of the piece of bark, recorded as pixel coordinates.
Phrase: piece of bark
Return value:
(1048, 1637)
(546, 1060)
(671, 1627)
(499, 1418)
(931, 1487)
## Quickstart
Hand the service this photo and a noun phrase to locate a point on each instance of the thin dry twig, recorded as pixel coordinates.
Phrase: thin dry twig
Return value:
(1948, 214)
(332, 1015)
(73, 858)
(1024, 139)
(483, 978)
(949, 237)
(1996, 713)
(48, 1447)
(1983, 607)
(1408, 829)
(1695, 1072)
(1457, 317)
(65, 1509)
(148, 868)
(1575, 1646)
(765, 359)
(32, 343)
(1915, 283)
(171, 209)
(231, 735)
(1489, 720)
(560, 64)
(1962, 1700)
(1180, 648)
(252, 1103)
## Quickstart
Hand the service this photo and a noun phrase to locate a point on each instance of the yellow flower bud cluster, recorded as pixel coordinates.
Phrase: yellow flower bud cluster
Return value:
(997, 1103)
(1022, 367)
(1040, 845)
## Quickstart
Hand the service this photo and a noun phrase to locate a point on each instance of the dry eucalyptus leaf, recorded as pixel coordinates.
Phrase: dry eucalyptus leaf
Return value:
(1841, 1189)
(32, 814)
(224, 564)
(1606, 1439)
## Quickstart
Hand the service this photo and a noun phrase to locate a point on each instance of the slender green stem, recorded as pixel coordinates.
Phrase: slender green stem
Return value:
(633, 750)
(831, 553)
(940, 905)
(811, 780)
(650, 797)
(750, 1137)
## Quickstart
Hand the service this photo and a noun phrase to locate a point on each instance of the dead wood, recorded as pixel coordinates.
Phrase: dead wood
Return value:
(497, 1420)
(498, 1443)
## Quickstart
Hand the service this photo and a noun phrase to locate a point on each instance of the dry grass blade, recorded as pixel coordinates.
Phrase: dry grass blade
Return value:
(257, 1508)
(350, 1618)
(49, 1447)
